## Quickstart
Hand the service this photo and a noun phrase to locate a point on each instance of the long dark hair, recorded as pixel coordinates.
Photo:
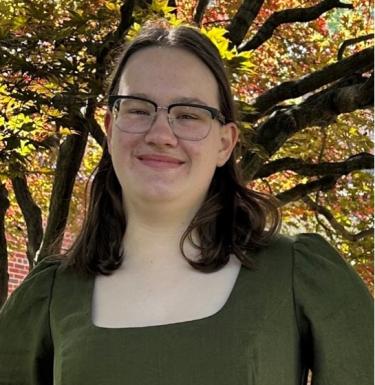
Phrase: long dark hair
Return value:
(232, 219)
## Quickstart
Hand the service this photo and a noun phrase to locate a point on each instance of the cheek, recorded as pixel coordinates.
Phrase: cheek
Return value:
(203, 156)
(122, 143)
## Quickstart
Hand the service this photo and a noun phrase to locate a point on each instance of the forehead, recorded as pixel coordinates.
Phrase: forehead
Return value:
(165, 73)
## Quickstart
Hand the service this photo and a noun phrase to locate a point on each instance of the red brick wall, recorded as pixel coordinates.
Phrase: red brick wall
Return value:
(18, 268)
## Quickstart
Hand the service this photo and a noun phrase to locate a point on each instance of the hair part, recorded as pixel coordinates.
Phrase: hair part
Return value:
(232, 219)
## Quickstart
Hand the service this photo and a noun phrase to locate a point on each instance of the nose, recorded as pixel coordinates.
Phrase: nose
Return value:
(160, 131)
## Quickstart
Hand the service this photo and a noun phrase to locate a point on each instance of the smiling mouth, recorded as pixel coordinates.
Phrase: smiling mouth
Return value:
(160, 161)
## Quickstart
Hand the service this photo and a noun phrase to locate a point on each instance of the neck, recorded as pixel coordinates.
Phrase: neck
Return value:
(152, 237)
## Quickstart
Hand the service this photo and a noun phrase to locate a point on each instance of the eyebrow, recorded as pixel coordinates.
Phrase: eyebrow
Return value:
(182, 99)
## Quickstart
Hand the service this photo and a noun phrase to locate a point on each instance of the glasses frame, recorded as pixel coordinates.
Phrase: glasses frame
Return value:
(215, 113)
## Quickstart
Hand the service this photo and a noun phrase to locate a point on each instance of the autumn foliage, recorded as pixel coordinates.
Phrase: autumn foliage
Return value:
(301, 73)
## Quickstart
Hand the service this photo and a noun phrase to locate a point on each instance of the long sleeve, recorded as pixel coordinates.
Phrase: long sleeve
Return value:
(335, 314)
(26, 349)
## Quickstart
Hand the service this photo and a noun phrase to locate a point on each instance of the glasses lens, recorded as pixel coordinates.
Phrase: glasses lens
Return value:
(133, 115)
(191, 123)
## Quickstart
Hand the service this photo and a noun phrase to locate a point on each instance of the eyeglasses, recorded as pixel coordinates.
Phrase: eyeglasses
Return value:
(135, 115)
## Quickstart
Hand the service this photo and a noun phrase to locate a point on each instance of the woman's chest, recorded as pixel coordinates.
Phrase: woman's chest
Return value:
(138, 302)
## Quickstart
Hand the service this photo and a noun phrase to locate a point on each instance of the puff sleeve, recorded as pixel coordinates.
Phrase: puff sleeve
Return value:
(26, 349)
(334, 312)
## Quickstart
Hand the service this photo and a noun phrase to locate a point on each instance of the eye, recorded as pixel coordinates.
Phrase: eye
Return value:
(185, 116)
(138, 111)
(185, 113)
(135, 108)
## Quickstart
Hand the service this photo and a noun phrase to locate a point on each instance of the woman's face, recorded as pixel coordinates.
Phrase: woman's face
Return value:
(157, 166)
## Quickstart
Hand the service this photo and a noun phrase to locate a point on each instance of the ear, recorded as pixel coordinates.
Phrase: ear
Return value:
(228, 139)
(108, 128)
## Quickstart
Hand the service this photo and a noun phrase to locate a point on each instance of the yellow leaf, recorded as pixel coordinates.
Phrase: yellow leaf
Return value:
(25, 148)
(161, 6)
(112, 7)
(134, 30)
(67, 131)
(216, 35)
(3, 89)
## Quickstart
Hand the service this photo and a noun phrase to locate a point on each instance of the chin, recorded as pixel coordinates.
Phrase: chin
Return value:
(158, 195)
(153, 193)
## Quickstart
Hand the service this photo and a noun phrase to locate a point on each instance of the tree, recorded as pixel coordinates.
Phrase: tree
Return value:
(302, 74)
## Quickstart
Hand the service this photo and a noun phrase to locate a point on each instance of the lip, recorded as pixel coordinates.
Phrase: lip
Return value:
(159, 161)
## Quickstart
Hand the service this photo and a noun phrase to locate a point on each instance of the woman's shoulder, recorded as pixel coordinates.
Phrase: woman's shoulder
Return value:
(323, 278)
(36, 287)
(300, 246)
(42, 273)
(26, 347)
(45, 267)
(309, 258)
(315, 257)
(320, 278)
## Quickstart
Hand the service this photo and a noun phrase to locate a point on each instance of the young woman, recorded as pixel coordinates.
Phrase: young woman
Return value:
(179, 275)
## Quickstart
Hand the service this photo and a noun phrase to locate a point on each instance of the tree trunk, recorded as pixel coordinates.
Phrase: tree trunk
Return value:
(32, 215)
(4, 277)
(68, 163)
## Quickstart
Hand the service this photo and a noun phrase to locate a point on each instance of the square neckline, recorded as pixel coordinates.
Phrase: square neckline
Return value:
(217, 314)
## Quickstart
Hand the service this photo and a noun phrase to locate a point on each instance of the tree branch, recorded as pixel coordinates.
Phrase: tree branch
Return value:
(143, 4)
(296, 88)
(349, 42)
(318, 110)
(126, 19)
(102, 49)
(96, 131)
(4, 276)
(110, 41)
(290, 16)
(336, 225)
(360, 161)
(242, 20)
(301, 190)
(199, 11)
(32, 215)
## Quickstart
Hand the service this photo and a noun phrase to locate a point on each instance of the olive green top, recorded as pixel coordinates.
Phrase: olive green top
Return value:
(302, 307)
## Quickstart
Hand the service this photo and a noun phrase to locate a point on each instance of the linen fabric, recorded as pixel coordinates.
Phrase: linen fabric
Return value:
(302, 307)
